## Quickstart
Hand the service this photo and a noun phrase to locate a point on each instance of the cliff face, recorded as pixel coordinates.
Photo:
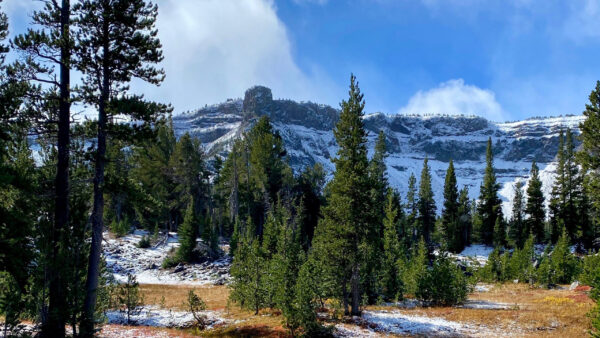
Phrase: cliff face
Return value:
(307, 131)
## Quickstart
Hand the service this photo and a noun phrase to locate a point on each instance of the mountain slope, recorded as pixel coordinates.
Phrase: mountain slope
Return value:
(307, 131)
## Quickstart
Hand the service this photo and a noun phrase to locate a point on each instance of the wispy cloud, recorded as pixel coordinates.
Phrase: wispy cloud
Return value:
(216, 49)
(455, 97)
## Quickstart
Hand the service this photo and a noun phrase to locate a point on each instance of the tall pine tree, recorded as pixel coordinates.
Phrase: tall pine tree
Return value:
(517, 233)
(450, 217)
(589, 157)
(117, 42)
(346, 222)
(489, 207)
(426, 218)
(535, 210)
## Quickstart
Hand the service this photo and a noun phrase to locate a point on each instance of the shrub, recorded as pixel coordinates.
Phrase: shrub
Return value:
(170, 262)
(196, 305)
(415, 269)
(11, 303)
(120, 228)
(590, 269)
(444, 284)
(559, 266)
(144, 242)
(129, 297)
(593, 278)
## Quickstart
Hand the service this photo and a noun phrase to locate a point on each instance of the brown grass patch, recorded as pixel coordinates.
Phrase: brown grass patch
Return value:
(175, 296)
(536, 312)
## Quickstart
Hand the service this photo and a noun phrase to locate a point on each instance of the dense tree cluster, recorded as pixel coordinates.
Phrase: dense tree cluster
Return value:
(298, 242)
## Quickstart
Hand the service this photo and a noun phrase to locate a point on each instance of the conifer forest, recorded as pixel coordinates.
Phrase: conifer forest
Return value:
(123, 216)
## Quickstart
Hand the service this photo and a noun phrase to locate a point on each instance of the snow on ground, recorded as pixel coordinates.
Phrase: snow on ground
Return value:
(156, 317)
(350, 330)
(399, 323)
(124, 257)
(473, 253)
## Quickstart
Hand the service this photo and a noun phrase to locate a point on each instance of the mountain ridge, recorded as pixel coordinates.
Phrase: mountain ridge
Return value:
(307, 131)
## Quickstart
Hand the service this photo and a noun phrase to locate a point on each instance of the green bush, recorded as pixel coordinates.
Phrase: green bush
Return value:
(170, 262)
(443, 284)
(196, 305)
(120, 228)
(559, 266)
(144, 242)
(590, 269)
(593, 279)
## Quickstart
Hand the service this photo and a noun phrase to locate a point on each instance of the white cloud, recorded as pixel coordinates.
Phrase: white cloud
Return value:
(216, 49)
(455, 97)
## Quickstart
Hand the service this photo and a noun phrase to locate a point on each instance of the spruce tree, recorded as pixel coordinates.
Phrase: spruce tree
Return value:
(187, 233)
(391, 283)
(534, 208)
(567, 204)
(589, 157)
(426, 218)
(517, 232)
(450, 217)
(464, 218)
(558, 196)
(489, 207)
(346, 223)
(412, 209)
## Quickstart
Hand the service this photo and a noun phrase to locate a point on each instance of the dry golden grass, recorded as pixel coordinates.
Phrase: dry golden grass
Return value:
(175, 296)
(536, 312)
(265, 324)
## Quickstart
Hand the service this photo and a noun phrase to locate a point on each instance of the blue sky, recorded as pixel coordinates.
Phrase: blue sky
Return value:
(503, 60)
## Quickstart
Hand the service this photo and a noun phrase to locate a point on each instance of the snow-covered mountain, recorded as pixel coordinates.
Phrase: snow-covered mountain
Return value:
(307, 131)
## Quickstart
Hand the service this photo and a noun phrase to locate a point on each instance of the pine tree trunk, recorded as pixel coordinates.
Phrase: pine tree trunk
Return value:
(55, 324)
(355, 290)
(93, 274)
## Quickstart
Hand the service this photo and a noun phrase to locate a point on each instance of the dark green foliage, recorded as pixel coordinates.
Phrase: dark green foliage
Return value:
(12, 303)
(589, 158)
(535, 209)
(129, 298)
(499, 232)
(195, 305)
(489, 207)
(517, 232)
(392, 252)
(559, 266)
(310, 189)
(248, 271)
(451, 223)
(412, 209)
(120, 228)
(416, 268)
(465, 221)
(443, 284)
(567, 204)
(426, 218)
(144, 242)
(187, 232)
(344, 228)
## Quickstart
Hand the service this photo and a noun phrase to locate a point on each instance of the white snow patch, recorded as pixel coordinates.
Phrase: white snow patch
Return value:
(156, 317)
(123, 257)
(398, 323)
(348, 330)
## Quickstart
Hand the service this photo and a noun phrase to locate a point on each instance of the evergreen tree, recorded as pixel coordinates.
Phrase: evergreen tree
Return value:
(489, 207)
(345, 225)
(589, 157)
(392, 284)
(248, 286)
(412, 209)
(187, 234)
(517, 232)
(567, 203)
(426, 204)
(450, 216)
(417, 267)
(534, 208)
(310, 190)
(464, 218)
(48, 48)
(499, 232)
(117, 42)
